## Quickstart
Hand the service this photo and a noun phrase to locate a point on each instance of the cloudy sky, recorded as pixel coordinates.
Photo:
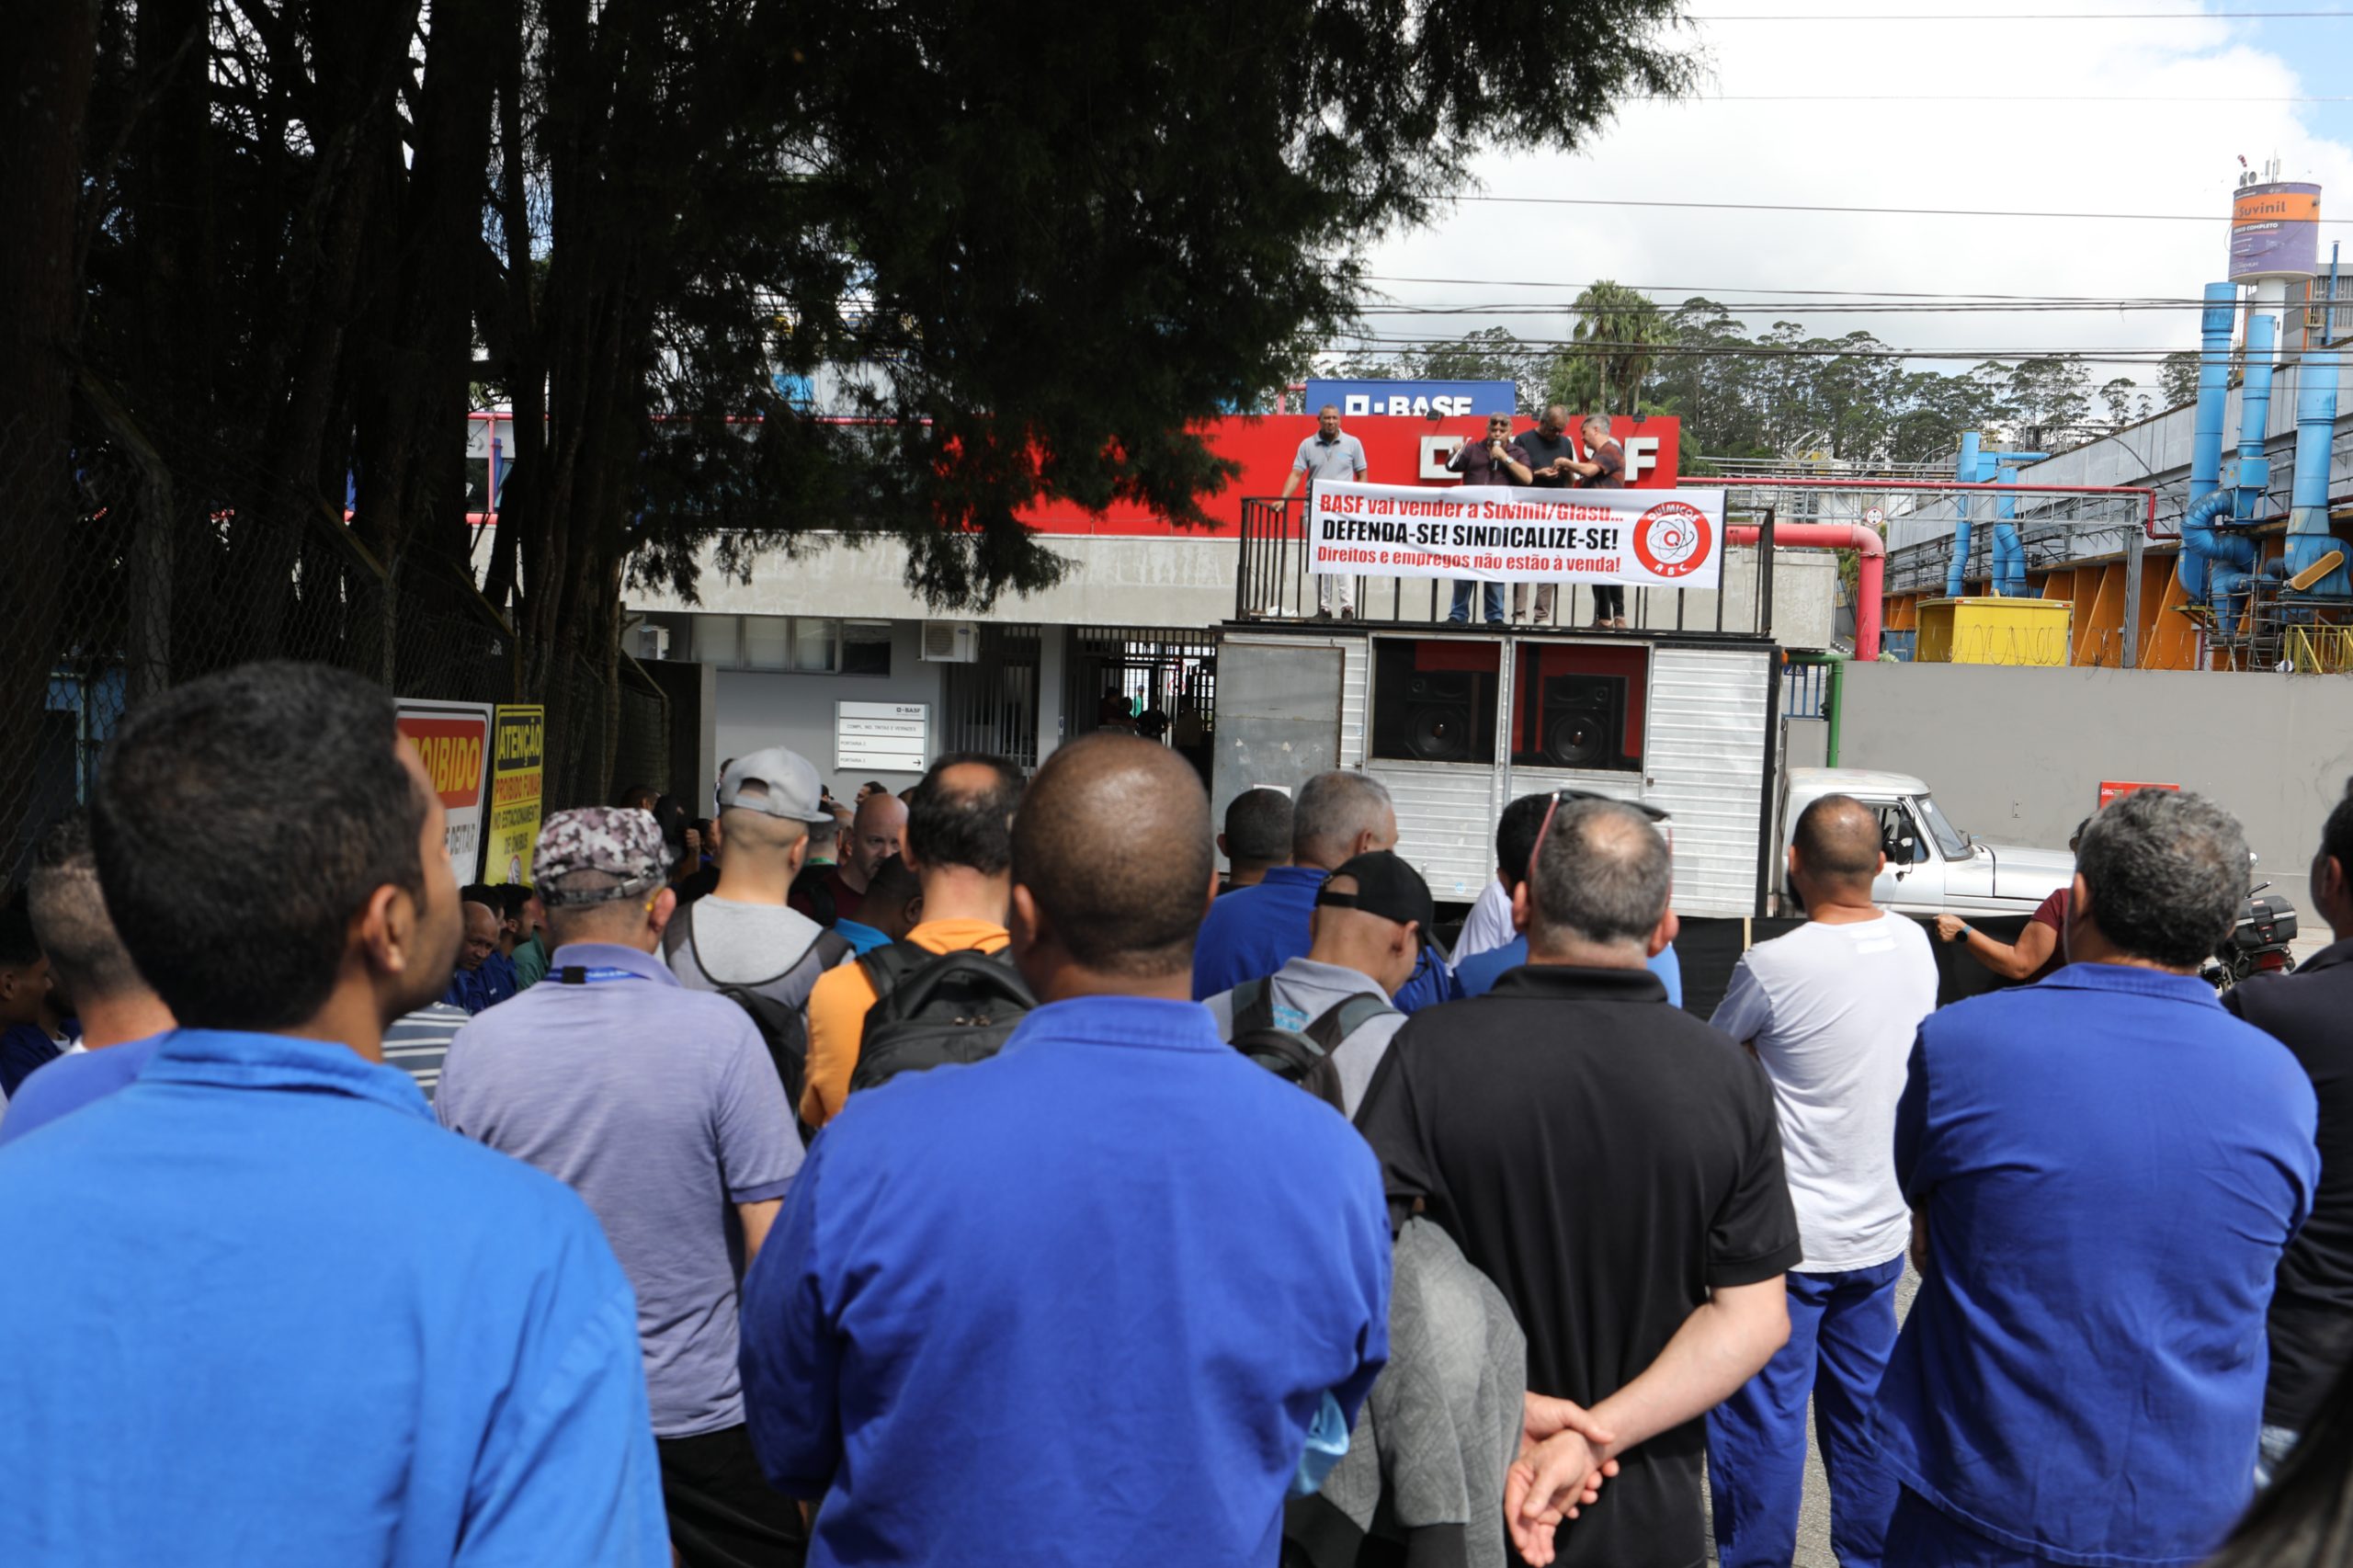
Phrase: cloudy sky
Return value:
(2015, 107)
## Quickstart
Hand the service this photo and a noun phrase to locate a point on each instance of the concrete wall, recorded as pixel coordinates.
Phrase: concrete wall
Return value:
(2017, 755)
(757, 709)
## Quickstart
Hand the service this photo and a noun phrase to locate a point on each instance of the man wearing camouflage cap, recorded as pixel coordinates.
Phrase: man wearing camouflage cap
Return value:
(660, 1107)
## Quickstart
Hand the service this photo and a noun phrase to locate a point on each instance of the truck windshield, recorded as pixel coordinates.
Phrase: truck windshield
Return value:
(1949, 839)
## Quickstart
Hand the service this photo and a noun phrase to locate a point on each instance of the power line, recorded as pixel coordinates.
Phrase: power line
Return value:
(1967, 99)
(1870, 212)
(2044, 16)
(1710, 288)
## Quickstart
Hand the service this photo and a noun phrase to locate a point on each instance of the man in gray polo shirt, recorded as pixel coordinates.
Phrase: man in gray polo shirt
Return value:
(660, 1107)
(1328, 454)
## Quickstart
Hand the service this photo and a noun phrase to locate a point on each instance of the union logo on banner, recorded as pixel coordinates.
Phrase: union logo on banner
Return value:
(1673, 538)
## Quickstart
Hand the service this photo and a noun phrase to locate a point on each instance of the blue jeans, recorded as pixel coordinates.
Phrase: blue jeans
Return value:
(1492, 597)
(1842, 1328)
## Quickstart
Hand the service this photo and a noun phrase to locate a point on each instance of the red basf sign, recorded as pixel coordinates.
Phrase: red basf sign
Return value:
(2110, 788)
(1398, 450)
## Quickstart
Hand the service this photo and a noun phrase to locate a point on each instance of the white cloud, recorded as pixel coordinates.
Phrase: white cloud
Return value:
(2063, 151)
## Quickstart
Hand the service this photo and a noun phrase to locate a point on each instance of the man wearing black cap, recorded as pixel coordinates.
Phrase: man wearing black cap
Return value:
(1365, 937)
(660, 1107)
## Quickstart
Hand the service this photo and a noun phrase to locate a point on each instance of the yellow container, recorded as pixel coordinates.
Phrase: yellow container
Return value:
(1995, 632)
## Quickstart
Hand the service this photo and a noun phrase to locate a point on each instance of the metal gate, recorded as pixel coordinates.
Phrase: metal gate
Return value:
(991, 705)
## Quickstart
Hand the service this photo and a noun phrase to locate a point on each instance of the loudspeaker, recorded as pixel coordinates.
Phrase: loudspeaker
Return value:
(1584, 721)
(1441, 714)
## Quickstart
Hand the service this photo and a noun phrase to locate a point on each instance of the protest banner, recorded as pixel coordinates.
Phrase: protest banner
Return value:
(1505, 534)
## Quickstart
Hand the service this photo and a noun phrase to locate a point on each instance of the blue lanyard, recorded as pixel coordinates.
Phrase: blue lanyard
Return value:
(573, 974)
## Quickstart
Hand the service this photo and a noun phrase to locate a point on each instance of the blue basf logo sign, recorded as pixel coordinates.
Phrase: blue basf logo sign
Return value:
(1416, 399)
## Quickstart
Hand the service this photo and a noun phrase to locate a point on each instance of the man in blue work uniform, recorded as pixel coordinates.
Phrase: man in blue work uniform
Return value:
(1081, 1301)
(659, 1105)
(310, 1327)
(1514, 842)
(122, 1019)
(2103, 1170)
(1254, 931)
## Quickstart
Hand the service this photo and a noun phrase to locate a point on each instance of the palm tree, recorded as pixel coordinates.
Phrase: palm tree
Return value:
(1615, 343)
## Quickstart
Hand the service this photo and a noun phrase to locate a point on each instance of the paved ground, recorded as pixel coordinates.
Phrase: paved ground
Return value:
(1814, 1523)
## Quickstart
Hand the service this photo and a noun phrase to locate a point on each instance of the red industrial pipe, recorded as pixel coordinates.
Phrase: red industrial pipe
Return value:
(1868, 583)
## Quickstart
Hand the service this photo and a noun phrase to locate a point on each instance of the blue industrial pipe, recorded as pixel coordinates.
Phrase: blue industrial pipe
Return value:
(2206, 445)
(2309, 538)
(2010, 555)
(2230, 557)
(1965, 471)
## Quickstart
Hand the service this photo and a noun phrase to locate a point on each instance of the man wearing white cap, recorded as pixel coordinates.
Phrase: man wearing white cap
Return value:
(745, 934)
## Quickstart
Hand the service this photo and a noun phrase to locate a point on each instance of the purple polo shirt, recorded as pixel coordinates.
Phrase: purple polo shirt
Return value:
(660, 1107)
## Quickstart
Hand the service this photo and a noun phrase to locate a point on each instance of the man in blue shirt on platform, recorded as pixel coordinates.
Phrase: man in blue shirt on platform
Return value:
(1085, 1300)
(1515, 843)
(2103, 1171)
(306, 1326)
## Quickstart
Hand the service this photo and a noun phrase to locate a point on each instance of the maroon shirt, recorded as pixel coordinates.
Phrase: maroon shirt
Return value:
(847, 900)
(1478, 466)
(2051, 912)
(1610, 458)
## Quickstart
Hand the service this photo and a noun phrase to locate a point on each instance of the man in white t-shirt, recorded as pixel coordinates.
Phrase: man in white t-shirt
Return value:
(1830, 1010)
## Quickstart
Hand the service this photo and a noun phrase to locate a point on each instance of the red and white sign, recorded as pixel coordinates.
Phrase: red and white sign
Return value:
(1507, 534)
(452, 739)
(2110, 788)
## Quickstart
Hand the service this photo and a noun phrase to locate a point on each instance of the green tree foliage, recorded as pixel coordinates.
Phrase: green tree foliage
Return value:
(1614, 347)
(2178, 378)
(1030, 244)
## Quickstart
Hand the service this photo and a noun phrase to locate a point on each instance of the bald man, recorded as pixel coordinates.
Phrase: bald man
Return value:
(1830, 1010)
(484, 976)
(875, 834)
(1082, 1300)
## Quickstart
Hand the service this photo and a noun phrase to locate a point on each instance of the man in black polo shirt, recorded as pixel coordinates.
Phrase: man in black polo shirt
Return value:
(1614, 1166)
(1552, 458)
(2311, 1322)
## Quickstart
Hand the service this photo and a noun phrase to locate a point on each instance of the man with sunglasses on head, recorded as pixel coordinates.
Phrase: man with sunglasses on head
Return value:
(1496, 460)
(1512, 1120)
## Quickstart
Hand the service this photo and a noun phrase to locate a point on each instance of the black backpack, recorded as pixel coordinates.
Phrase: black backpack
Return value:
(935, 1008)
(1300, 1056)
(785, 1031)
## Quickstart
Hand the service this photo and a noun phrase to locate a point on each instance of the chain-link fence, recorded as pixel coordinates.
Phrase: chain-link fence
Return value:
(144, 557)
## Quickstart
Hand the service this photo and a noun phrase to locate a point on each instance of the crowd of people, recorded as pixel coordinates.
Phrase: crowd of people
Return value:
(974, 1175)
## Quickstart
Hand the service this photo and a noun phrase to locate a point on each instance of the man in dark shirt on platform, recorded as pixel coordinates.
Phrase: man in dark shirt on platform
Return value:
(2311, 1322)
(1551, 457)
(1508, 1117)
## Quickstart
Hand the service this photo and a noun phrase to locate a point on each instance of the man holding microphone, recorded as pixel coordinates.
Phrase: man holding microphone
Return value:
(1496, 461)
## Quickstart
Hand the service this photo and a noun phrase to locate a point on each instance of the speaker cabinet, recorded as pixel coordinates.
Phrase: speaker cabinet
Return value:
(1584, 721)
(1441, 715)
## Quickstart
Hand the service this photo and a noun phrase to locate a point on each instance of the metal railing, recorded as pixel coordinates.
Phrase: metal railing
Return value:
(1273, 584)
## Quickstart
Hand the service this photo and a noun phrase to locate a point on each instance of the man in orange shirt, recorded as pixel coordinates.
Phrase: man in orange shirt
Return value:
(960, 846)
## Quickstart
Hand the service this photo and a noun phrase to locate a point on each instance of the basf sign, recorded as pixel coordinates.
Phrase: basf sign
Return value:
(1413, 400)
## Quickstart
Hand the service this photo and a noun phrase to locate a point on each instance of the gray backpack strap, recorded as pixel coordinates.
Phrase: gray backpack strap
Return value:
(1344, 1017)
(1253, 1007)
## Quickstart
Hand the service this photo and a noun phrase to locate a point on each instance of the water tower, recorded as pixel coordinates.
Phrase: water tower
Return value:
(2275, 242)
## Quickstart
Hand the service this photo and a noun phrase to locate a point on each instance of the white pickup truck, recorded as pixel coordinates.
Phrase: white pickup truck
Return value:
(1932, 867)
